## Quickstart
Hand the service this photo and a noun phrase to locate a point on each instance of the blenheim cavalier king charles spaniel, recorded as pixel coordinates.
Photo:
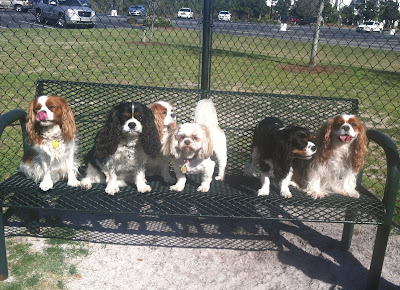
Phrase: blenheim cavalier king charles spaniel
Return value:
(51, 136)
(342, 146)
(122, 147)
(274, 148)
(165, 120)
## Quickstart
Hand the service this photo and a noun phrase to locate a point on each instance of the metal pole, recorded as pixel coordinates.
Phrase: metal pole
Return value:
(205, 61)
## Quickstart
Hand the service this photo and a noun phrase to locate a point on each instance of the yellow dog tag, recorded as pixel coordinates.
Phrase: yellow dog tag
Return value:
(55, 144)
(184, 167)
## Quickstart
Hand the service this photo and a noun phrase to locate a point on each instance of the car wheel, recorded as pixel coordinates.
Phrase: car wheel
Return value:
(18, 8)
(38, 16)
(61, 22)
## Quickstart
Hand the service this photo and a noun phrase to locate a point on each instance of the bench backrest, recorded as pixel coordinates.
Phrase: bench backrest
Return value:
(238, 112)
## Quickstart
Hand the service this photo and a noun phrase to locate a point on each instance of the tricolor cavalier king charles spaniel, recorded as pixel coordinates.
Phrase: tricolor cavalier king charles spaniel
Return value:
(51, 136)
(165, 120)
(122, 148)
(274, 147)
(342, 146)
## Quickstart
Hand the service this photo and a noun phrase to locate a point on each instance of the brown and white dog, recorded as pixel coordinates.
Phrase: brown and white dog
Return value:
(51, 135)
(165, 120)
(341, 148)
(190, 148)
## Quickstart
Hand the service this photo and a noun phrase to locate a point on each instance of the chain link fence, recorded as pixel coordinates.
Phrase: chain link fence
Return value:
(276, 52)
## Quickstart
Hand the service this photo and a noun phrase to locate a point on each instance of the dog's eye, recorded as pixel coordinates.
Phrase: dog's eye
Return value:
(180, 138)
(164, 113)
(354, 125)
(52, 107)
(195, 138)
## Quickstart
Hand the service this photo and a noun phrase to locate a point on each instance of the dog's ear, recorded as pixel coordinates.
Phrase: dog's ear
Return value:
(108, 138)
(32, 128)
(324, 141)
(150, 138)
(170, 147)
(158, 118)
(206, 149)
(360, 148)
(68, 126)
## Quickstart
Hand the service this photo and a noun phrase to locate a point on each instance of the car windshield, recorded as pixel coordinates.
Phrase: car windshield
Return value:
(83, 3)
(185, 10)
(224, 12)
(369, 23)
(136, 7)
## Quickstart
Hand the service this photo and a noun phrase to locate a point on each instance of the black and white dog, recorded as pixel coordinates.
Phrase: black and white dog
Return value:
(274, 147)
(122, 147)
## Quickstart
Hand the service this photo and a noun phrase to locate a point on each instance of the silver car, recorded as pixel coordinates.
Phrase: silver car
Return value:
(17, 5)
(64, 12)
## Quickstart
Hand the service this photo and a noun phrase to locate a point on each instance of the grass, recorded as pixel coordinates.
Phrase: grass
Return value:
(238, 63)
(47, 266)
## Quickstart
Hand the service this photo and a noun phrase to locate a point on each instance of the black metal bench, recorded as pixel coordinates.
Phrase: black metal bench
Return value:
(235, 197)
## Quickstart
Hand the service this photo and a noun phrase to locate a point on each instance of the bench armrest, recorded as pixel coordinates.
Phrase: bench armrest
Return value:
(393, 171)
(11, 117)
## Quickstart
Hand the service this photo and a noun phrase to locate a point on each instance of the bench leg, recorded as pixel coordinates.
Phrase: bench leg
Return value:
(347, 236)
(3, 256)
(375, 270)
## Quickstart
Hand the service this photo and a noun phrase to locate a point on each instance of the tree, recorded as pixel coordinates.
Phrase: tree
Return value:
(371, 10)
(329, 14)
(347, 15)
(307, 8)
(248, 9)
(389, 13)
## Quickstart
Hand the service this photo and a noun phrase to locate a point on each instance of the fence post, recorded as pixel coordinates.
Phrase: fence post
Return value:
(206, 48)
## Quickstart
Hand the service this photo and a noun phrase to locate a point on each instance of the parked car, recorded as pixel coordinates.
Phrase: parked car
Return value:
(185, 13)
(17, 5)
(64, 12)
(370, 26)
(294, 19)
(224, 16)
(137, 10)
(308, 21)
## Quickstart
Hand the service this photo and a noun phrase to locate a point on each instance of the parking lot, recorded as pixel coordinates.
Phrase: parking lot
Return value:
(329, 35)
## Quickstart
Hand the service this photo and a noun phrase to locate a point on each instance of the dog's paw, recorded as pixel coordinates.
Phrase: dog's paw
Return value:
(45, 185)
(73, 182)
(353, 193)
(286, 193)
(262, 192)
(314, 194)
(219, 177)
(176, 187)
(294, 184)
(203, 188)
(112, 189)
(143, 188)
(86, 183)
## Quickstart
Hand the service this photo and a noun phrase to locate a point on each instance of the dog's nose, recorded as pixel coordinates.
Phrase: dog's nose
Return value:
(346, 127)
(187, 142)
(173, 116)
(313, 148)
(132, 125)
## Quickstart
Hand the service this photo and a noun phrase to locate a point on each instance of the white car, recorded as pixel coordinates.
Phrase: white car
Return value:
(224, 16)
(370, 26)
(185, 13)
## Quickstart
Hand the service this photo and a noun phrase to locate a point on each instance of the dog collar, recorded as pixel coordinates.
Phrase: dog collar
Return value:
(56, 144)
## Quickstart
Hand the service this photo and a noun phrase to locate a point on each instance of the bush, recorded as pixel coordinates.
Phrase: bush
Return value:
(159, 21)
(132, 20)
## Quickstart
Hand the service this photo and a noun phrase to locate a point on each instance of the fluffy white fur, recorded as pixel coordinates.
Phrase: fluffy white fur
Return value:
(206, 115)
(190, 148)
(51, 134)
(342, 146)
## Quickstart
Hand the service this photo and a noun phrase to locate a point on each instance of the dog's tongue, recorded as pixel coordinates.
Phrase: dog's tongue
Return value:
(346, 138)
(41, 116)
